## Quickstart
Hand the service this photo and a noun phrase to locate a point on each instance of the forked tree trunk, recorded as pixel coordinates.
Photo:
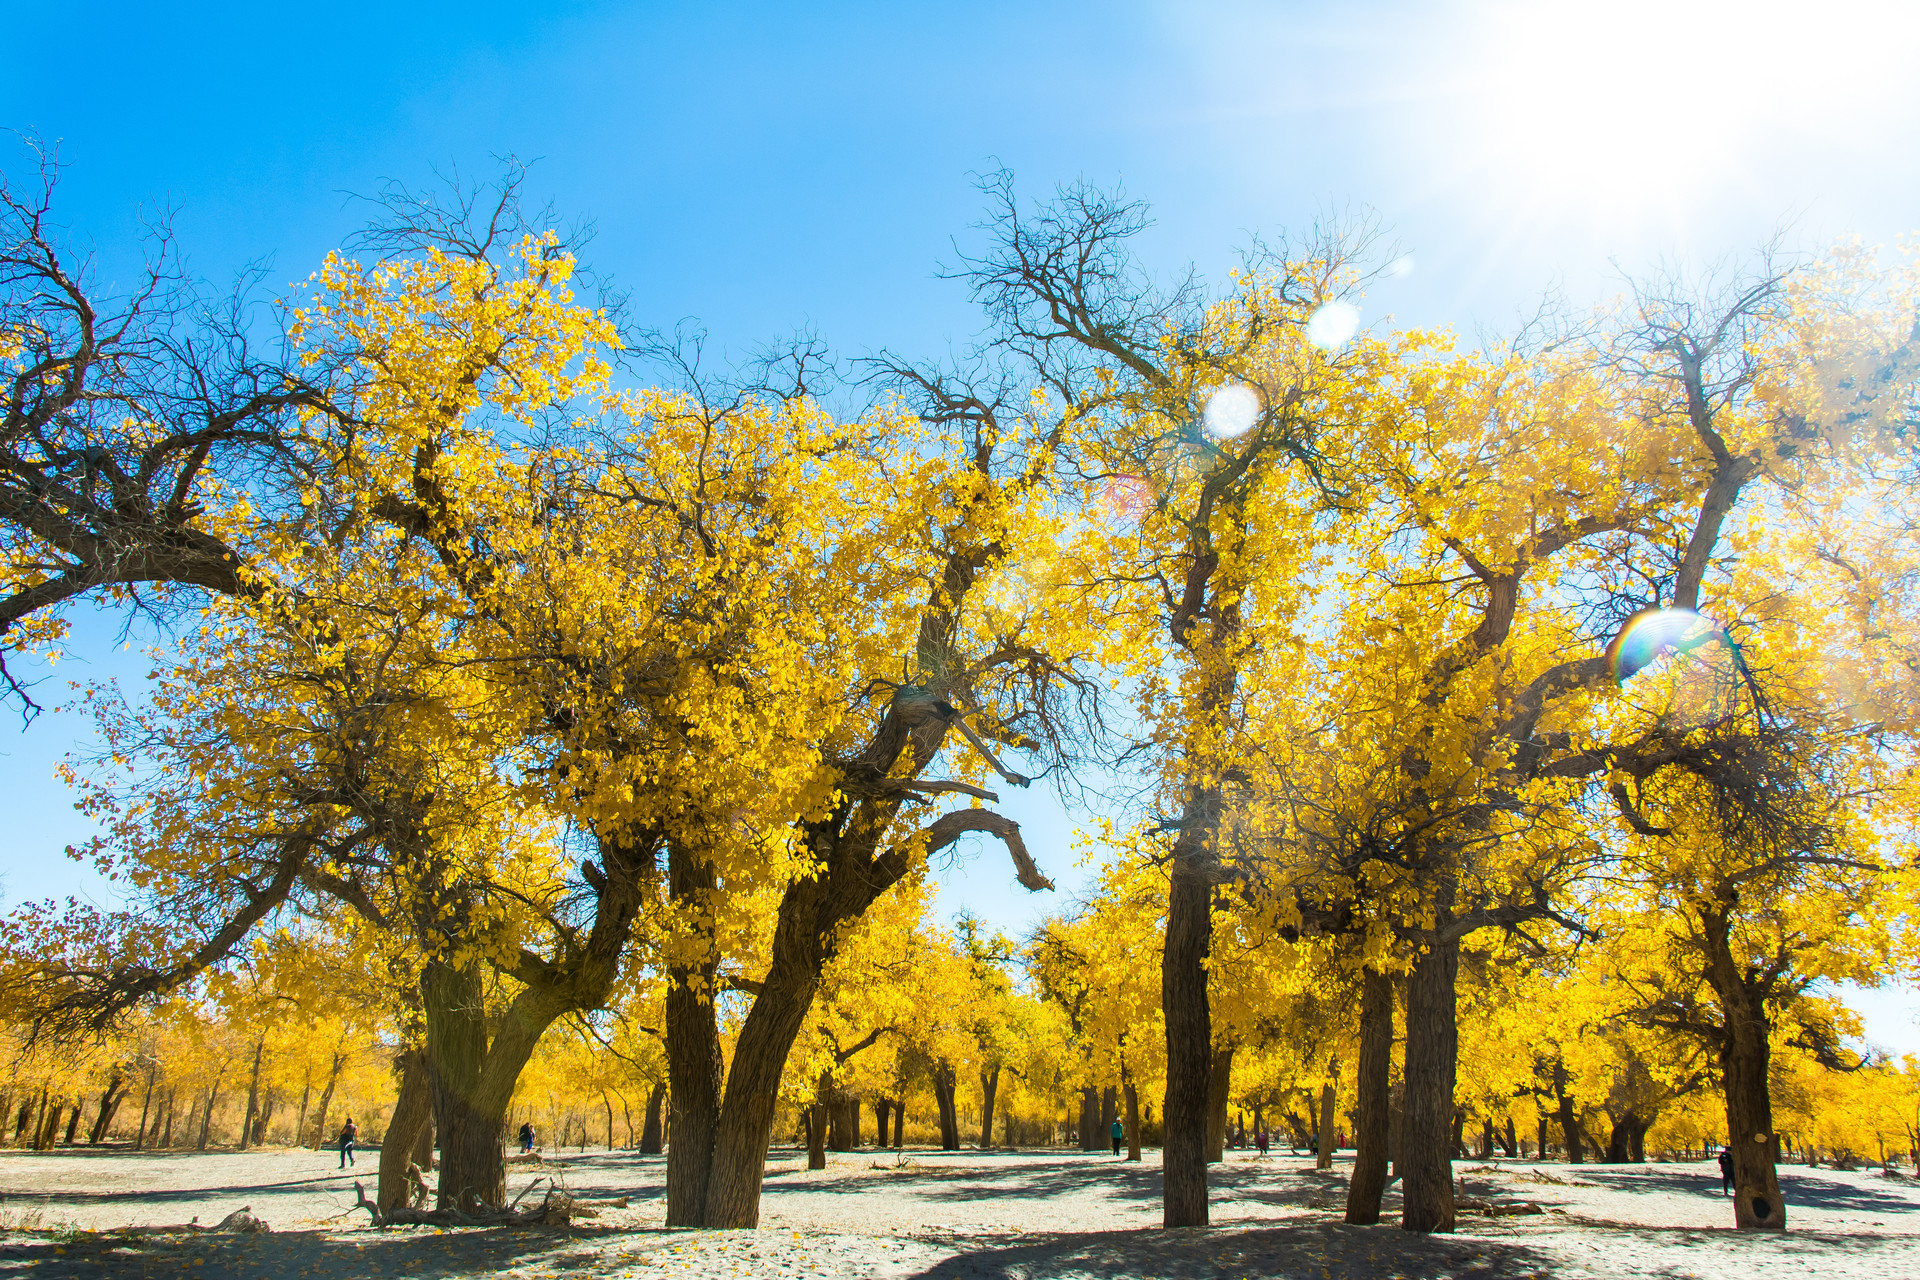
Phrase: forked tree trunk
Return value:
(110, 1098)
(1371, 1099)
(1426, 1160)
(206, 1117)
(1219, 1081)
(989, 1086)
(650, 1133)
(1570, 1132)
(943, 1091)
(412, 1113)
(1324, 1160)
(1189, 1021)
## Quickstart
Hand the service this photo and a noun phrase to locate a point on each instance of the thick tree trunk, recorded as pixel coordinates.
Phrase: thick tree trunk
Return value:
(471, 1165)
(1219, 1081)
(1750, 1137)
(110, 1098)
(73, 1120)
(1324, 1160)
(1620, 1139)
(1371, 1099)
(989, 1086)
(1432, 1051)
(836, 1111)
(650, 1134)
(412, 1113)
(1510, 1143)
(694, 1063)
(943, 1090)
(1570, 1132)
(1133, 1120)
(1089, 1118)
(899, 1123)
(880, 1108)
(1189, 1022)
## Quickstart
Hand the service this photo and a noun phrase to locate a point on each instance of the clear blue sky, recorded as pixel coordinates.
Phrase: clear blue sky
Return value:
(768, 167)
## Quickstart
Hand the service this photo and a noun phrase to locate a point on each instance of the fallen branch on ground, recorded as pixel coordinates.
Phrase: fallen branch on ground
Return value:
(555, 1210)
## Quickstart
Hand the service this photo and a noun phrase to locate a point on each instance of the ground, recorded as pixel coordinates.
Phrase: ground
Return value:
(945, 1216)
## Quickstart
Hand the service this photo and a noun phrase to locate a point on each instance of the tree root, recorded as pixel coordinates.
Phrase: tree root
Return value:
(555, 1209)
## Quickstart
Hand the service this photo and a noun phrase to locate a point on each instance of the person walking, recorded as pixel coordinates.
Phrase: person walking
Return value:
(1119, 1135)
(1260, 1140)
(1726, 1172)
(348, 1132)
(526, 1138)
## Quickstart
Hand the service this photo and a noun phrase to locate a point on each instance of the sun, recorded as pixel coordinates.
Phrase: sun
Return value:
(1632, 106)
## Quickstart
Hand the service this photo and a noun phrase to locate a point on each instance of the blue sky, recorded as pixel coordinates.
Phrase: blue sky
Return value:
(763, 168)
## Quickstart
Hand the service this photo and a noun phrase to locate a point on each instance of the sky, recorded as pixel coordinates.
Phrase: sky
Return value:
(765, 169)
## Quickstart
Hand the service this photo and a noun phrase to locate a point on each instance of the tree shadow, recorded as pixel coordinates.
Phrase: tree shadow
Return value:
(1307, 1251)
(1802, 1188)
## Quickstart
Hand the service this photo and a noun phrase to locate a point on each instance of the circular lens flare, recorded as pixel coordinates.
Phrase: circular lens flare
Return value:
(1127, 496)
(1332, 324)
(1231, 411)
(1690, 665)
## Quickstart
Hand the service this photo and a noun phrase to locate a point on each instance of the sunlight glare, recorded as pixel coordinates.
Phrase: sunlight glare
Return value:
(1332, 324)
(1231, 411)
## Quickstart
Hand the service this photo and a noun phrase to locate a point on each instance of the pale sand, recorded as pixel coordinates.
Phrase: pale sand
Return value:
(1027, 1215)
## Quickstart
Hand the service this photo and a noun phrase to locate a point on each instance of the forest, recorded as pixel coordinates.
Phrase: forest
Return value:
(1493, 746)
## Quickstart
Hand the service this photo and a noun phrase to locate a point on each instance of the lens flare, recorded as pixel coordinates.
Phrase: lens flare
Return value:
(1698, 680)
(1401, 267)
(1127, 496)
(1332, 324)
(1232, 411)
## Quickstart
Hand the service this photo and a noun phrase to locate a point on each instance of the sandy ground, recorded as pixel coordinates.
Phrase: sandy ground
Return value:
(949, 1215)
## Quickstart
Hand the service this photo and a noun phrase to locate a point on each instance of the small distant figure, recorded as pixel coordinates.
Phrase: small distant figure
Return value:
(526, 1139)
(1118, 1135)
(1726, 1172)
(348, 1133)
(1260, 1140)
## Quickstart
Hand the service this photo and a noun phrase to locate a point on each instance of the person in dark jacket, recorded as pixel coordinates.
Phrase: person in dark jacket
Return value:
(348, 1132)
(1726, 1172)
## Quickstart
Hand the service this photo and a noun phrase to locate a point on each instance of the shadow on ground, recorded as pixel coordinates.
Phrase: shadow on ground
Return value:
(1310, 1252)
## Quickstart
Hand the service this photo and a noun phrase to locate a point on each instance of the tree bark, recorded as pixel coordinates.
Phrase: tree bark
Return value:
(110, 1098)
(326, 1101)
(1371, 1099)
(899, 1123)
(1189, 1023)
(650, 1134)
(412, 1114)
(943, 1089)
(1432, 1052)
(206, 1117)
(1324, 1159)
(1219, 1082)
(1751, 1139)
(817, 1123)
(1133, 1119)
(693, 1055)
(1510, 1143)
(880, 1108)
(253, 1094)
(989, 1086)
(146, 1107)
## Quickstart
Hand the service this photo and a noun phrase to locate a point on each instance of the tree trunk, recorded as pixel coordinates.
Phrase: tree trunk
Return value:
(1571, 1133)
(110, 1098)
(817, 1122)
(989, 1086)
(1510, 1143)
(306, 1097)
(1540, 1153)
(1133, 1119)
(1432, 1050)
(650, 1134)
(1750, 1136)
(73, 1120)
(943, 1090)
(1371, 1099)
(206, 1117)
(1189, 1021)
(880, 1108)
(1458, 1148)
(694, 1063)
(146, 1108)
(1620, 1139)
(1324, 1159)
(412, 1115)
(1219, 1081)
(326, 1100)
(1636, 1142)
(253, 1094)
(167, 1140)
(1089, 1118)
(899, 1123)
